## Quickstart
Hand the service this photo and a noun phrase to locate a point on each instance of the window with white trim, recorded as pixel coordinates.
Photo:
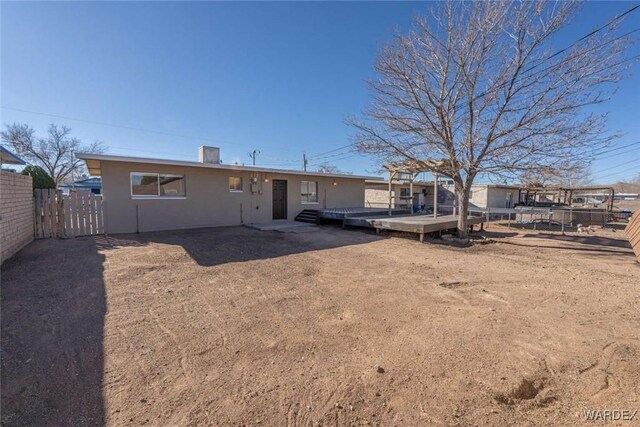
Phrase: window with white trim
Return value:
(235, 183)
(172, 185)
(404, 193)
(309, 191)
(145, 184)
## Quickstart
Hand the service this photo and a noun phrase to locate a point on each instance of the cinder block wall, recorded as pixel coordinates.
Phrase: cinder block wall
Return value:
(16, 213)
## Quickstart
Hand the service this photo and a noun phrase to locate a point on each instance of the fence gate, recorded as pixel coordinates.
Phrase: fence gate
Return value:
(57, 215)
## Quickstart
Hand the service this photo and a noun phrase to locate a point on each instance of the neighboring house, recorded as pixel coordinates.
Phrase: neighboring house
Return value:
(377, 194)
(93, 184)
(481, 196)
(142, 194)
(494, 196)
(491, 195)
(626, 196)
(9, 158)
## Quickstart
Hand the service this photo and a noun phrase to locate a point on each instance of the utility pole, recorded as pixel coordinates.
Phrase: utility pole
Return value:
(304, 161)
(253, 156)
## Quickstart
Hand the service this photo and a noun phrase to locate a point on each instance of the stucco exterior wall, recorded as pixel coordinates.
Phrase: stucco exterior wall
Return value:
(16, 213)
(478, 196)
(497, 197)
(483, 196)
(208, 201)
(377, 195)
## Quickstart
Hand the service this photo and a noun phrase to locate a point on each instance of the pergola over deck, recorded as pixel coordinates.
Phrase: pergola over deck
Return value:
(408, 170)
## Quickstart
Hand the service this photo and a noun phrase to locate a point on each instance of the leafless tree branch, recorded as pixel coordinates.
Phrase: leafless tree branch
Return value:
(55, 152)
(476, 84)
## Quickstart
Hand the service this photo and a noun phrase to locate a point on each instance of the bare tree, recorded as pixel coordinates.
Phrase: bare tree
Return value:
(55, 152)
(568, 174)
(329, 168)
(628, 186)
(474, 89)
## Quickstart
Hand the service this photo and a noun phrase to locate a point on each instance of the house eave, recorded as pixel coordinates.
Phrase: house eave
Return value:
(94, 165)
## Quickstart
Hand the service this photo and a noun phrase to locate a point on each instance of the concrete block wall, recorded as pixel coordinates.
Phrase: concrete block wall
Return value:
(16, 213)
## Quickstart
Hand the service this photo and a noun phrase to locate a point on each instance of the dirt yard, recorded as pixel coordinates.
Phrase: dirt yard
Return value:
(236, 327)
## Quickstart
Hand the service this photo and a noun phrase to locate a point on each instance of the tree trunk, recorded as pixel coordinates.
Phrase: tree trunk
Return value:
(463, 212)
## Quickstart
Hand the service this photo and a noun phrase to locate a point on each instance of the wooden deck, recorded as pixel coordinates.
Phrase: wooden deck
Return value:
(419, 224)
(342, 213)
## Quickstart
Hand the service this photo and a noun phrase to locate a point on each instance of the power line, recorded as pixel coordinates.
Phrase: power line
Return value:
(616, 148)
(348, 156)
(614, 19)
(611, 21)
(610, 175)
(330, 151)
(109, 124)
(330, 157)
(616, 167)
(617, 154)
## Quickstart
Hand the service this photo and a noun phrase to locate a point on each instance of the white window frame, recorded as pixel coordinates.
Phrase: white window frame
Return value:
(157, 196)
(307, 202)
(241, 185)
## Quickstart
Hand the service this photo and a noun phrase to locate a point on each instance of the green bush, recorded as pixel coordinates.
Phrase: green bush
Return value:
(41, 178)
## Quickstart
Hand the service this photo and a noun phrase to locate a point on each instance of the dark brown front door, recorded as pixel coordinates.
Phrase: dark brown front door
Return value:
(279, 199)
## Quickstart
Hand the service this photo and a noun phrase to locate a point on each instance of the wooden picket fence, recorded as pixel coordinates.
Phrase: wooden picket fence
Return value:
(57, 215)
(633, 233)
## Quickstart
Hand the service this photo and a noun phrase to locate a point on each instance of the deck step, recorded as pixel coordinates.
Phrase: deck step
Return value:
(308, 215)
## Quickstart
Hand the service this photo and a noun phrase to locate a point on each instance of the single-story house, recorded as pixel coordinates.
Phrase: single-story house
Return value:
(491, 195)
(626, 196)
(9, 158)
(481, 196)
(144, 194)
(494, 196)
(93, 184)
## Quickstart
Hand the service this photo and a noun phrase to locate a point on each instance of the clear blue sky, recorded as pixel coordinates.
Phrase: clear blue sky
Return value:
(278, 77)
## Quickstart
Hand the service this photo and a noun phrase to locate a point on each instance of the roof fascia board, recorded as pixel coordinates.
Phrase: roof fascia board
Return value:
(168, 162)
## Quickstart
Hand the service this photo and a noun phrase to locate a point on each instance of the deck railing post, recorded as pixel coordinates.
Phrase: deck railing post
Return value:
(435, 195)
(411, 194)
(390, 179)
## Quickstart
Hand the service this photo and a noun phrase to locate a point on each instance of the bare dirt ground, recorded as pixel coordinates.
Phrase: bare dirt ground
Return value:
(235, 326)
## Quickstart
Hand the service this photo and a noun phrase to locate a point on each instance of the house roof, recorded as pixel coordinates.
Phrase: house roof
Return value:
(7, 157)
(84, 183)
(511, 187)
(94, 164)
(379, 181)
(507, 186)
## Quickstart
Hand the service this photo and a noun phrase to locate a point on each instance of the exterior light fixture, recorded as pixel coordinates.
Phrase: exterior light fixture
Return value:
(335, 183)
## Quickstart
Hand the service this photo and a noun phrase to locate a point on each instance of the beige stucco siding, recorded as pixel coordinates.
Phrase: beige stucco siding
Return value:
(478, 196)
(377, 195)
(488, 196)
(208, 201)
(497, 197)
